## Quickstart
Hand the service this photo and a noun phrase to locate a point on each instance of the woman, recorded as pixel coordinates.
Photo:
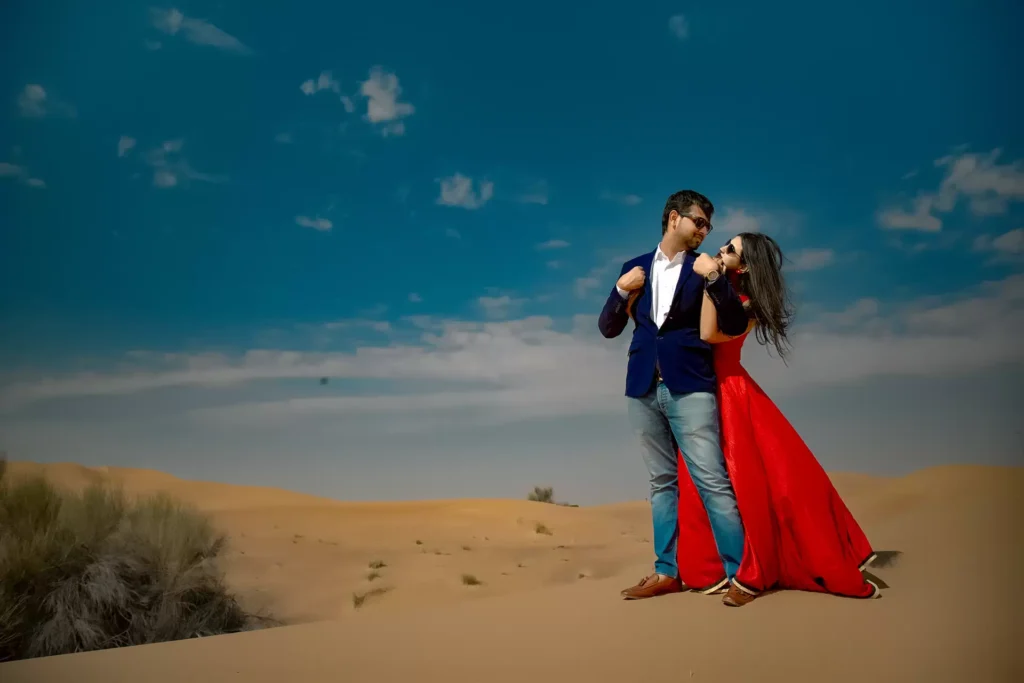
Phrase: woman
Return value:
(799, 533)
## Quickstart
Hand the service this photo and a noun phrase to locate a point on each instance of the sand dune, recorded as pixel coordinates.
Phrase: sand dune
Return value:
(547, 606)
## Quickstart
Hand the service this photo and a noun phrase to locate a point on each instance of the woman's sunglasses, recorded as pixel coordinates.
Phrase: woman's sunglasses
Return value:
(730, 248)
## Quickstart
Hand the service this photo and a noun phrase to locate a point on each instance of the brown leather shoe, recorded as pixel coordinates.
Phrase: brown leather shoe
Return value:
(737, 597)
(653, 586)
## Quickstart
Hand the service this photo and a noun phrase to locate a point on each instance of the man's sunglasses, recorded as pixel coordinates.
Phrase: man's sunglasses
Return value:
(699, 221)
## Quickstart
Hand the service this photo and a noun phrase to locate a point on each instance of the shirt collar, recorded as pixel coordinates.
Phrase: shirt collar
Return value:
(659, 255)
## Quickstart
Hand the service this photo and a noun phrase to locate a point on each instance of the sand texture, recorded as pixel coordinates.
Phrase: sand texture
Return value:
(376, 592)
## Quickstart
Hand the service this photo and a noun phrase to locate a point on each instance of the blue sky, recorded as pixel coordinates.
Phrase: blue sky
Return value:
(206, 208)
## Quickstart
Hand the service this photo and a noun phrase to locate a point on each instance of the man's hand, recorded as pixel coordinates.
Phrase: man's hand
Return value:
(705, 264)
(634, 279)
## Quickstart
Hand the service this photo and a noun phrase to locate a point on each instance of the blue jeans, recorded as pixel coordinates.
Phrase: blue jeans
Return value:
(661, 420)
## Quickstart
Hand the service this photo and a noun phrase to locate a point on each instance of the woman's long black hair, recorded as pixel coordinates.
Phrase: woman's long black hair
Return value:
(763, 282)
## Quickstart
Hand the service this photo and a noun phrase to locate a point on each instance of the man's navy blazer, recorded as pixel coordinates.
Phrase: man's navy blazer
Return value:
(675, 349)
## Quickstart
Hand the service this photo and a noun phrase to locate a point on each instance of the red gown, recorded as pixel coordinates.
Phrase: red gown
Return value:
(799, 533)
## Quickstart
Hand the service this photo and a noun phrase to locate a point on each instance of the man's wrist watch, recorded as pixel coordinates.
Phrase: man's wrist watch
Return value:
(712, 276)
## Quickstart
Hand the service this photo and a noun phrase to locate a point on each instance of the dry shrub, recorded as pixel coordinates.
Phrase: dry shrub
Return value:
(95, 570)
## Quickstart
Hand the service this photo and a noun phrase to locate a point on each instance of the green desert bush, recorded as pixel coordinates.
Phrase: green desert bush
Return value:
(95, 570)
(542, 494)
(546, 494)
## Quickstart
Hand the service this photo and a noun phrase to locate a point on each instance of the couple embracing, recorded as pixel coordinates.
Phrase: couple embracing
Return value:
(739, 503)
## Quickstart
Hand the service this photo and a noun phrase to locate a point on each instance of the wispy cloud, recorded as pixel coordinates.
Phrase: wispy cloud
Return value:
(810, 259)
(537, 366)
(171, 169)
(537, 194)
(553, 244)
(20, 173)
(124, 145)
(918, 218)
(601, 276)
(383, 104)
(325, 81)
(415, 298)
(1005, 248)
(679, 27)
(778, 222)
(500, 307)
(624, 199)
(735, 221)
(317, 223)
(197, 31)
(987, 186)
(35, 102)
(457, 190)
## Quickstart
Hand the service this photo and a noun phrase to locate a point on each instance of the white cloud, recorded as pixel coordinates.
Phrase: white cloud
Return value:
(534, 367)
(920, 218)
(415, 298)
(679, 27)
(32, 101)
(553, 244)
(383, 105)
(457, 190)
(860, 314)
(197, 31)
(283, 138)
(624, 199)
(601, 276)
(325, 81)
(20, 173)
(321, 224)
(35, 102)
(987, 186)
(171, 169)
(9, 170)
(538, 194)
(735, 221)
(499, 307)
(583, 286)
(1011, 242)
(810, 259)
(124, 145)
(382, 326)
(1008, 247)
(452, 233)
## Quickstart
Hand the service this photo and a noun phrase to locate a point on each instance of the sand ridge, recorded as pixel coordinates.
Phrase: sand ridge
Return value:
(380, 590)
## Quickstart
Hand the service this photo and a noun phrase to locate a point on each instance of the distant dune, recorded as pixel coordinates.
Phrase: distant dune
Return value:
(512, 590)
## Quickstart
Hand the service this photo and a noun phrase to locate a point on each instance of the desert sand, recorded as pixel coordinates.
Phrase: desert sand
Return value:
(547, 605)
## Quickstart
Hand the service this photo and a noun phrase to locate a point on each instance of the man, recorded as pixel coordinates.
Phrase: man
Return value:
(670, 382)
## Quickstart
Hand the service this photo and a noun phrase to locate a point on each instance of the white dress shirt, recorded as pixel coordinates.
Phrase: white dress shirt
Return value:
(664, 275)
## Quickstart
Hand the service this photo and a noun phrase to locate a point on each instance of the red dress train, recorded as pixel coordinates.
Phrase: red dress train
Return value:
(799, 533)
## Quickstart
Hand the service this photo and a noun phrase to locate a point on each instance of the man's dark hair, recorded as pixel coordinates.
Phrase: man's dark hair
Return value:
(681, 202)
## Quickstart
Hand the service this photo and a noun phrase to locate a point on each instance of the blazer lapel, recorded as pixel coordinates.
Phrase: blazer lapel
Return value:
(642, 310)
(684, 274)
(647, 299)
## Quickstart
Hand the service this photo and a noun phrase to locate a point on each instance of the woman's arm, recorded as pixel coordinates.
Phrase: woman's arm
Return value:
(709, 331)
